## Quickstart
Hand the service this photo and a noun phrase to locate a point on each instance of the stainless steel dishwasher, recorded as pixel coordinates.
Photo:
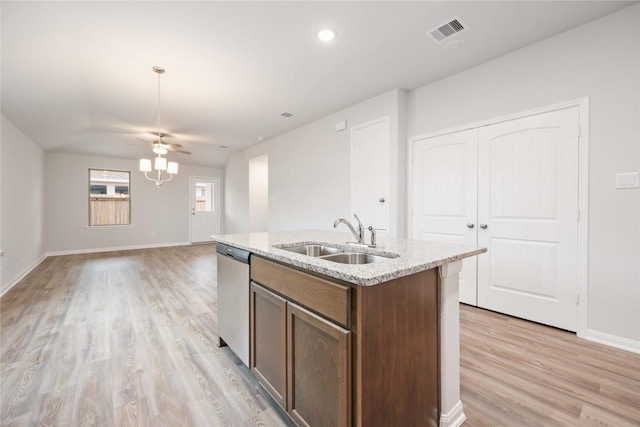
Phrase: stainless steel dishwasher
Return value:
(233, 299)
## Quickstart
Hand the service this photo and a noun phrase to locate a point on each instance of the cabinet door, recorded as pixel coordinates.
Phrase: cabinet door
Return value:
(268, 341)
(318, 369)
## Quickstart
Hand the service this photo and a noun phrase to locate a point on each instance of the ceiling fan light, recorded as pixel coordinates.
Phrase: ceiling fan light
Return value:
(172, 168)
(161, 164)
(160, 150)
(145, 165)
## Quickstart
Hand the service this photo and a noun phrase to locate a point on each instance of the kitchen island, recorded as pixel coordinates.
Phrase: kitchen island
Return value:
(356, 344)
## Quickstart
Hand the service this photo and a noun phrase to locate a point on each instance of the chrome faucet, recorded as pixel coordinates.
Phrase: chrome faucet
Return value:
(359, 234)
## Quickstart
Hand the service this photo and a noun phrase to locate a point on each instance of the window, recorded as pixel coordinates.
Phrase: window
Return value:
(204, 197)
(109, 202)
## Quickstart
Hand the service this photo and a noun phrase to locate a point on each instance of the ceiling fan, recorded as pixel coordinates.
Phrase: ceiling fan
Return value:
(159, 146)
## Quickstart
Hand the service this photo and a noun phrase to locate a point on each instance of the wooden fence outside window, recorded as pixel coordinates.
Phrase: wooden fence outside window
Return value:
(109, 211)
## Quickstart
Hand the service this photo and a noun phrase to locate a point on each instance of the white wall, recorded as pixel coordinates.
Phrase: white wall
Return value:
(158, 216)
(22, 205)
(259, 194)
(309, 171)
(600, 60)
(236, 217)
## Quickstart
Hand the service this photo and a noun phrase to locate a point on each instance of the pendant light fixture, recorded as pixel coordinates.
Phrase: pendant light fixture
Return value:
(160, 148)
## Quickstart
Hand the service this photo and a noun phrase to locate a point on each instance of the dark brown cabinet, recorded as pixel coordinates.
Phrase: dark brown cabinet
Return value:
(301, 359)
(318, 369)
(338, 355)
(268, 341)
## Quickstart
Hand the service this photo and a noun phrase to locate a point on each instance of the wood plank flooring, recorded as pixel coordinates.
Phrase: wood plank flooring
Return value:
(122, 339)
(129, 338)
(518, 373)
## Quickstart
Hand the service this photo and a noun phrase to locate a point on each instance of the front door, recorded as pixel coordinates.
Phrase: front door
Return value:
(205, 212)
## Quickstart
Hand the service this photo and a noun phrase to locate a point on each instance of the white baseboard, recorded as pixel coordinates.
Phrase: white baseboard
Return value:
(22, 275)
(613, 341)
(117, 248)
(454, 418)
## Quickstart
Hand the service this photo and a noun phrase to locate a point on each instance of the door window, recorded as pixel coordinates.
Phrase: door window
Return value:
(204, 197)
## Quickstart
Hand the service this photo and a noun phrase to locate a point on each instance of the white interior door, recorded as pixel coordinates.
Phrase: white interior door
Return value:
(444, 183)
(528, 217)
(370, 173)
(205, 212)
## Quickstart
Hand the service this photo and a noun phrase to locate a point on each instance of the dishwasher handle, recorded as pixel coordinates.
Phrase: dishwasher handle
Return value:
(239, 255)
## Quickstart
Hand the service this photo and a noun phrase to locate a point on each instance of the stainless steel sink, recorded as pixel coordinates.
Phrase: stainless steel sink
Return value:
(355, 258)
(333, 254)
(312, 250)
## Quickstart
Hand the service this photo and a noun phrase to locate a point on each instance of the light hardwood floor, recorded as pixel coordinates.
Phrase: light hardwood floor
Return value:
(122, 339)
(519, 373)
(129, 338)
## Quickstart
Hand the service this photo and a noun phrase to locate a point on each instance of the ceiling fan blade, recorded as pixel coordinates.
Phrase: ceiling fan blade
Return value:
(174, 145)
(160, 134)
(182, 151)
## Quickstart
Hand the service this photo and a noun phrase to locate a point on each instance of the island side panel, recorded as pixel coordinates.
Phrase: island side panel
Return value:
(396, 351)
(451, 410)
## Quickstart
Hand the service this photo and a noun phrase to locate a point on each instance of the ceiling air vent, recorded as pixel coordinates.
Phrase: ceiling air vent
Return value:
(444, 31)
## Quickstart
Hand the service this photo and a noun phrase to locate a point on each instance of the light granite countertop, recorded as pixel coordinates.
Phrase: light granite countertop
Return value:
(414, 255)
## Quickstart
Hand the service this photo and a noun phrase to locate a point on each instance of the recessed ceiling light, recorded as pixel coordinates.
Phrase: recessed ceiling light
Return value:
(326, 34)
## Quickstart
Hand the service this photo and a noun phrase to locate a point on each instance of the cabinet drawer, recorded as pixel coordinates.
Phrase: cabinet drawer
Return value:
(322, 296)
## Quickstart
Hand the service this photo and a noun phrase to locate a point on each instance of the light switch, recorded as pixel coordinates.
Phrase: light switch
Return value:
(627, 180)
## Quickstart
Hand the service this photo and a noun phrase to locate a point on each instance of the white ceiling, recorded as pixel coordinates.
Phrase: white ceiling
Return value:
(77, 76)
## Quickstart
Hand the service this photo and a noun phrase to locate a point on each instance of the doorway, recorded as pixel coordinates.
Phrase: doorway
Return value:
(205, 208)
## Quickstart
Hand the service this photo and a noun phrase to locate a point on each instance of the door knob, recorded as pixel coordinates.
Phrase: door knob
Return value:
(381, 200)
(483, 226)
(470, 225)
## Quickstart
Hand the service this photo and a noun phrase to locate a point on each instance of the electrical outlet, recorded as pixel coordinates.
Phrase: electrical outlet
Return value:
(627, 180)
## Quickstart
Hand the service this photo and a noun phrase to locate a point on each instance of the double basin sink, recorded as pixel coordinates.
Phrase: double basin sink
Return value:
(335, 254)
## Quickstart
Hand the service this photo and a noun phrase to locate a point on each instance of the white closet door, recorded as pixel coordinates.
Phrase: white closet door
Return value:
(528, 201)
(370, 173)
(444, 174)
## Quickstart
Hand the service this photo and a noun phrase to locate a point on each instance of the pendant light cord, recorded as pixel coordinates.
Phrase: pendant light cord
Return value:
(159, 114)
(160, 71)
